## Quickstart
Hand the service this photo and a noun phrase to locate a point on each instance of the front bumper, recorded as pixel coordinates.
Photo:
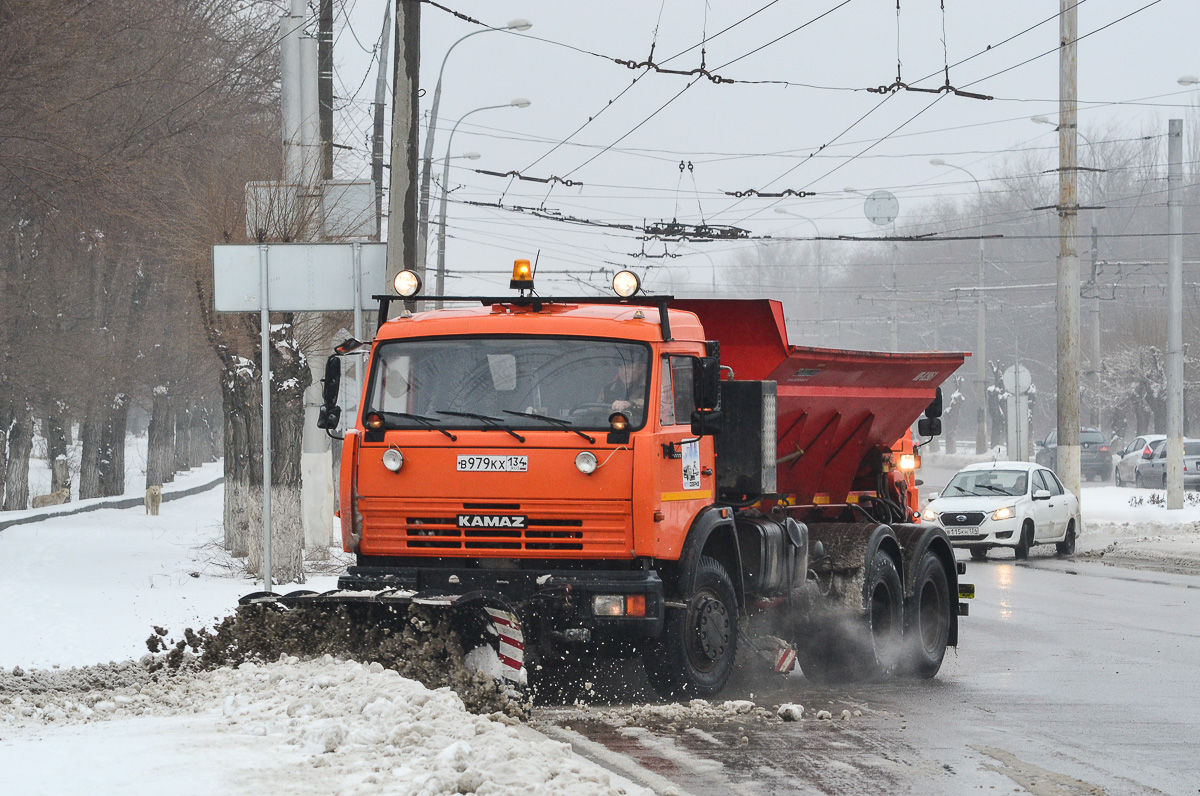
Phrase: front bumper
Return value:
(990, 533)
(555, 604)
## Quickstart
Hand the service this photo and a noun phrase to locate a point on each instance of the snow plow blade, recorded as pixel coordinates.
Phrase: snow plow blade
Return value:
(478, 618)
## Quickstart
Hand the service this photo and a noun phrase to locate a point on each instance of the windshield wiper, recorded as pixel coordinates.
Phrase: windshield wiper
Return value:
(998, 490)
(428, 421)
(495, 422)
(567, 425)
(964, 491)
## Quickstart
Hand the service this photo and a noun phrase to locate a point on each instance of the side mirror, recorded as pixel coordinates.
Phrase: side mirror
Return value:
(330, 413)
(706, 423)
(1039, 444)
(1041, 494)
(934, 495)
(929, 426)
(935, 406)
(706, 382)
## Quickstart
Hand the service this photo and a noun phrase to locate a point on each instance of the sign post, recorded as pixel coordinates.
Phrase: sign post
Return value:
(293, 277)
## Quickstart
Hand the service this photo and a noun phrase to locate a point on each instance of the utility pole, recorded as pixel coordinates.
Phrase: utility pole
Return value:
(1175, 315)
(1068, 465)
(377, 137)
(402, 193)
(325, 85)
(895, 298)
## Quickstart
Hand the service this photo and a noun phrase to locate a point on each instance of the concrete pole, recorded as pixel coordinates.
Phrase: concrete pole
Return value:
(1068, 464)
(377, 137)
(1094, 328)
(311, 225)
(1175, 315)
(291, 105)
(325, 86)
(895, 298)
(402, 194)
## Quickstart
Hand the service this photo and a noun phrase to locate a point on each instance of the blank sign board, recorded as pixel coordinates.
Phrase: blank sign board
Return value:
(301, 277)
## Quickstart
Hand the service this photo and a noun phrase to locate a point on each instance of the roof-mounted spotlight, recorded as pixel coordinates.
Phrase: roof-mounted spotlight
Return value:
(407, 283)
(626, 283)
(522, 276)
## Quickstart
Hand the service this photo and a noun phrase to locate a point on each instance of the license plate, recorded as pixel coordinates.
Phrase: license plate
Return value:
(967, 531)
(493, 464)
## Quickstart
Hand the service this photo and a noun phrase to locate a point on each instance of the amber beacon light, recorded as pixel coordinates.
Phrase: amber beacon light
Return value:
(522, 276)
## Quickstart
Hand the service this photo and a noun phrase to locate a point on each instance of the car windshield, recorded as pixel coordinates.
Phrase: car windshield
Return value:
(509, 382)
(987, 482)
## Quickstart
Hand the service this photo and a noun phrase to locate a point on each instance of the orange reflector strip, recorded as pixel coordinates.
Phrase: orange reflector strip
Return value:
(635, 605)
(820, 500)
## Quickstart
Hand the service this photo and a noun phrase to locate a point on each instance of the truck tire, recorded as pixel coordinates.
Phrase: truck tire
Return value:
(695, 655)
(870, 645)
(927, 630)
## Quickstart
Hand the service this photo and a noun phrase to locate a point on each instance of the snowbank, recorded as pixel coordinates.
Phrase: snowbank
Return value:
(297, 727)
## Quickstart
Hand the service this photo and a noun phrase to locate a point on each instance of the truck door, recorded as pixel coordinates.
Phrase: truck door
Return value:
(685, 463)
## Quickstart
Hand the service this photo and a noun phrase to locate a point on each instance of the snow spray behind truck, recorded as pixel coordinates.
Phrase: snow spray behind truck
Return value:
(641, 475)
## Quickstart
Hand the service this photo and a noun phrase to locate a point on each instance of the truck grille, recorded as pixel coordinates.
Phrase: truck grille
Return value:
(958, 519)
(394, 527)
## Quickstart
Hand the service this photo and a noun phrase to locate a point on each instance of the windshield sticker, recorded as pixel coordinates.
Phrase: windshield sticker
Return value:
(691, 464)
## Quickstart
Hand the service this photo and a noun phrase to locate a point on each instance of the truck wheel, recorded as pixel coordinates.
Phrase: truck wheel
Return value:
(928, 619)
(1021, 551)
(884, 597)
(1067, 546)
(695, 655)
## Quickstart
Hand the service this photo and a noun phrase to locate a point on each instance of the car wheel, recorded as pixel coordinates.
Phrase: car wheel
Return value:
(1137, 480)
(1164, 486)
(1117, 476)
(979, 553)
(1021, 551)
(1067, 546)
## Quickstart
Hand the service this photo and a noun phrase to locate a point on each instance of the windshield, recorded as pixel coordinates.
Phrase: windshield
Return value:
(987, 482)
(514, 382)
(1094, 437)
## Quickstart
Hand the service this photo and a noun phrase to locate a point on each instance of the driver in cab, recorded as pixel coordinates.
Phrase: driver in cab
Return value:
(627, 390)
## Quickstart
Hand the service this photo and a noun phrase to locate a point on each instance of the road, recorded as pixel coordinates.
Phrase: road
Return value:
(1071, 678)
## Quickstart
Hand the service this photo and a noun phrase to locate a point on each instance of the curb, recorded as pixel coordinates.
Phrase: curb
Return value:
(117, 503)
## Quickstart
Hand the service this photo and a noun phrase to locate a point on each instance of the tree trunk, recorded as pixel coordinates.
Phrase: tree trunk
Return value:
(56, 429)
(290, 377)
(183, 437)
(6, 417)
(243, 455)
(16, 476)
(89, 442)
(205, 438)
(112, 447)
(160, 443)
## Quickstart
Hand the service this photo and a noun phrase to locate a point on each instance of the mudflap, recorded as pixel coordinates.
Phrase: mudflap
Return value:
(483, 620)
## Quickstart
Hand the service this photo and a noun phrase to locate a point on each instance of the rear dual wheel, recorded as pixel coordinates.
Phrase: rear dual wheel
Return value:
(927, 631)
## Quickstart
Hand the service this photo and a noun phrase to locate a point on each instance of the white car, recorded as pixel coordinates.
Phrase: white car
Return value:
(1006, 504)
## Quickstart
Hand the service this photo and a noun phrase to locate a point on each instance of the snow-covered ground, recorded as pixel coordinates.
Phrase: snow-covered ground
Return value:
(86, 589)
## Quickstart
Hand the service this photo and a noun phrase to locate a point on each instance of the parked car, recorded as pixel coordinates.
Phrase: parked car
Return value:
(1095, 458)
(1152, 470)
(1131, 456)
(1006, 504)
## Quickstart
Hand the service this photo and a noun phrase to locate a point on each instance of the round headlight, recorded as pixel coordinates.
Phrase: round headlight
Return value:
(407, 283)
(586, 462)
(626, 283)
(930, 515)
(393, 459)
(373, 421)
(618, 421)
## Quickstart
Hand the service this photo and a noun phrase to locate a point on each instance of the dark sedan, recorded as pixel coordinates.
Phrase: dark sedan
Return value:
(1095, 457)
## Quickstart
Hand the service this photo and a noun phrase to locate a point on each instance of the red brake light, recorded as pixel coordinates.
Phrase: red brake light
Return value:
(1103, 448)
(1146, 452)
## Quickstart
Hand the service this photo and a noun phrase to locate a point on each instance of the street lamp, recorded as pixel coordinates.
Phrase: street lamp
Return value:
(520, 102)
(820, 298)
(427, 157)
(981, 439)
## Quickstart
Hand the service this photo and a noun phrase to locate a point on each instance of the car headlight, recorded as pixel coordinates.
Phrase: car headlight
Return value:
(1006, 513)
(930, 515)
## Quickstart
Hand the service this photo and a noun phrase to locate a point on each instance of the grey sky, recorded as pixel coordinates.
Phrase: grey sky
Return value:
(742, 136)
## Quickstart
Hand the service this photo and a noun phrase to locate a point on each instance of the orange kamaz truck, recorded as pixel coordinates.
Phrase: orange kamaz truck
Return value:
(644, 476)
